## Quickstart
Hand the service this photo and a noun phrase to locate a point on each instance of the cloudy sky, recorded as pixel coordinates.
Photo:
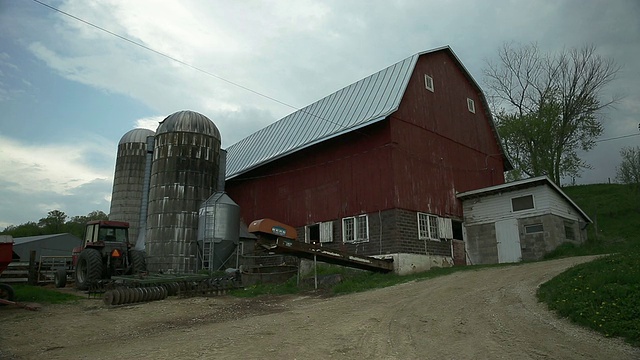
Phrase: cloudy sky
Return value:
(69, 91)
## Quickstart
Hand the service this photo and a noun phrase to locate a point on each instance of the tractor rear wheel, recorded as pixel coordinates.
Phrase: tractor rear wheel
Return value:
(7, 293)
(89, 268)
(138, 261)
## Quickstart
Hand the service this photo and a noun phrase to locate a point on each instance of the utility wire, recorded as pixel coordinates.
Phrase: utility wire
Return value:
(617, 137)
(165, 55)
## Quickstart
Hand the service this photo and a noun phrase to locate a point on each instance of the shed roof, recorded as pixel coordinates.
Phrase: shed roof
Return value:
(362, 103)
(28, 239)
(521, 184)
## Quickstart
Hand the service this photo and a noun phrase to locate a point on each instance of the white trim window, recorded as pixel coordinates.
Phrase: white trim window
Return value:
(428, 227)
(522, 203)
(471, 105)
(355, 229)
(319, 232)
(428, 82)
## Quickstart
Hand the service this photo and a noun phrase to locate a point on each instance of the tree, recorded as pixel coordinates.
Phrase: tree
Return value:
(629, 170)
(54, 222)
(548, 106)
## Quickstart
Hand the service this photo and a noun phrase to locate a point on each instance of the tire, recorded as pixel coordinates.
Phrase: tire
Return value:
(138, 261)
(7, 293)
(60, 278)
(89, 268)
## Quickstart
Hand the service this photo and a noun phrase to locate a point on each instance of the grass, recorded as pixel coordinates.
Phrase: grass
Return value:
(28, 293)
(603, 295)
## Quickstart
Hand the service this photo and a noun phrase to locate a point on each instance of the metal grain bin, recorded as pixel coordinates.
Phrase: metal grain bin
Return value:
(184, 173)
(218, 231)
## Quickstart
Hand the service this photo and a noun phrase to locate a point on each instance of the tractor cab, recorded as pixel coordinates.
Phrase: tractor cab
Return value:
(98, 233)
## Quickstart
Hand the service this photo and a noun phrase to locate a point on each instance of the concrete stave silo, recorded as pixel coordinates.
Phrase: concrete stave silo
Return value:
(129, 193)
(184, 174)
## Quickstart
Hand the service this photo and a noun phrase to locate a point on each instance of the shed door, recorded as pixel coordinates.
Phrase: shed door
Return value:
(508, 238)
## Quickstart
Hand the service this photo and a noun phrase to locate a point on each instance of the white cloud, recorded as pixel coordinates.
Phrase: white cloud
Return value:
(57, 168)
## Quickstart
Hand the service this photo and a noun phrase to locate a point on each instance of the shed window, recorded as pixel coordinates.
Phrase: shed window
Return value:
(427, 227)
(355, 229)
(522, 203)
(428, 82)
(533, 229)
(569, 233)
(471, 105)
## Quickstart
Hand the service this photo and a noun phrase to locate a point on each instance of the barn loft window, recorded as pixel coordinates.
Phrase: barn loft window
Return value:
(471, 105)
(533, 229)
(522, 203)
(427, 227)
(428, 82)
(569, 233)
(355, 229)
(319, 233)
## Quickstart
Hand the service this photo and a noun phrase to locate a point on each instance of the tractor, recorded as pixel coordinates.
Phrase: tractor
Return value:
(106, 252)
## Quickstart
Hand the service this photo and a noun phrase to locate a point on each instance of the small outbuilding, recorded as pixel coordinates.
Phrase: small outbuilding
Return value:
(520, 220)
(45, 245)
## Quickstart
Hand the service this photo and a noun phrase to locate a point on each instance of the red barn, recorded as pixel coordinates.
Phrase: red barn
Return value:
(375, 167)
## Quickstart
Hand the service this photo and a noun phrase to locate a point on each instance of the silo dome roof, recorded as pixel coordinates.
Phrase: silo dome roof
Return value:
(188, 121)
(136, 136)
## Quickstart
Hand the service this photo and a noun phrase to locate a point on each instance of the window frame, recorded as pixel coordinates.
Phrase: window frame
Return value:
(533, 203)
(428, 83)
(572, 232)
(527, 232)
(426, 224)
(357, 228)
(471, 105)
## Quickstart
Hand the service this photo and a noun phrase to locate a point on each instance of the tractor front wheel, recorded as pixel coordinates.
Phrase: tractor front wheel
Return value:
(89, 268)
(7, 293)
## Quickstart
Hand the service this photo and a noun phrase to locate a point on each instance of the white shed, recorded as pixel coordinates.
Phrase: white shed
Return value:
(520, 220)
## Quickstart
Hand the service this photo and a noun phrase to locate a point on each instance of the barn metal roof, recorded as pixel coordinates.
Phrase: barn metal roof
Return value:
(362, 103)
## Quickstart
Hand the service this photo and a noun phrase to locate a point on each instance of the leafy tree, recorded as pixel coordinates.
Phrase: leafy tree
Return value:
(629, 170)
(27, 229)
(54, 222)
(548, 106)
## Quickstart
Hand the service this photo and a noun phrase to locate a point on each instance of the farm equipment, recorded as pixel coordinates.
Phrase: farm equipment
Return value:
(280, 238)
(106, 252)
(7, 295)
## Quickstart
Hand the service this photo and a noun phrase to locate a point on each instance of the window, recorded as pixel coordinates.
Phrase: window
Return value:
(427, 227)
(320, 232)
(533, 229)
(522, 203)
(569, 233)
(428, 82)
(355, 229)
(471, 105)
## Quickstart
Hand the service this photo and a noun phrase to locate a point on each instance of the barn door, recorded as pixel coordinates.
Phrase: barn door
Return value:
(508, 238)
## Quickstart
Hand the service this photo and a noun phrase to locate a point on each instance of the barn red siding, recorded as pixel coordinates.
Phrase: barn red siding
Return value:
(442, 148)
(340, 177)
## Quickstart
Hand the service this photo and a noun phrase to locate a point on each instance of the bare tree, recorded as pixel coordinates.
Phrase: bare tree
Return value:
(548, 106)
(629, 170)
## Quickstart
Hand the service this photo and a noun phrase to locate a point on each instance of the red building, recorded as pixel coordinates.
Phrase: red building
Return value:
(375, 167)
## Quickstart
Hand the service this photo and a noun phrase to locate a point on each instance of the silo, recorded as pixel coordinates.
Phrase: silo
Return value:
(128, 192)
(184, 173)
(218, 231)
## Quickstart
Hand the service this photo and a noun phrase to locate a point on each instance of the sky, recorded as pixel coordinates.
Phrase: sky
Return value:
(69, 91)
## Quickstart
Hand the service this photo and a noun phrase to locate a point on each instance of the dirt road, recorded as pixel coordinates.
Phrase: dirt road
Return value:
(485, 314)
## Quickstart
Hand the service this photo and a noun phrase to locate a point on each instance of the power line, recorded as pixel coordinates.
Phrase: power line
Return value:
(617, 137)
(164, 55)
(187, 64)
